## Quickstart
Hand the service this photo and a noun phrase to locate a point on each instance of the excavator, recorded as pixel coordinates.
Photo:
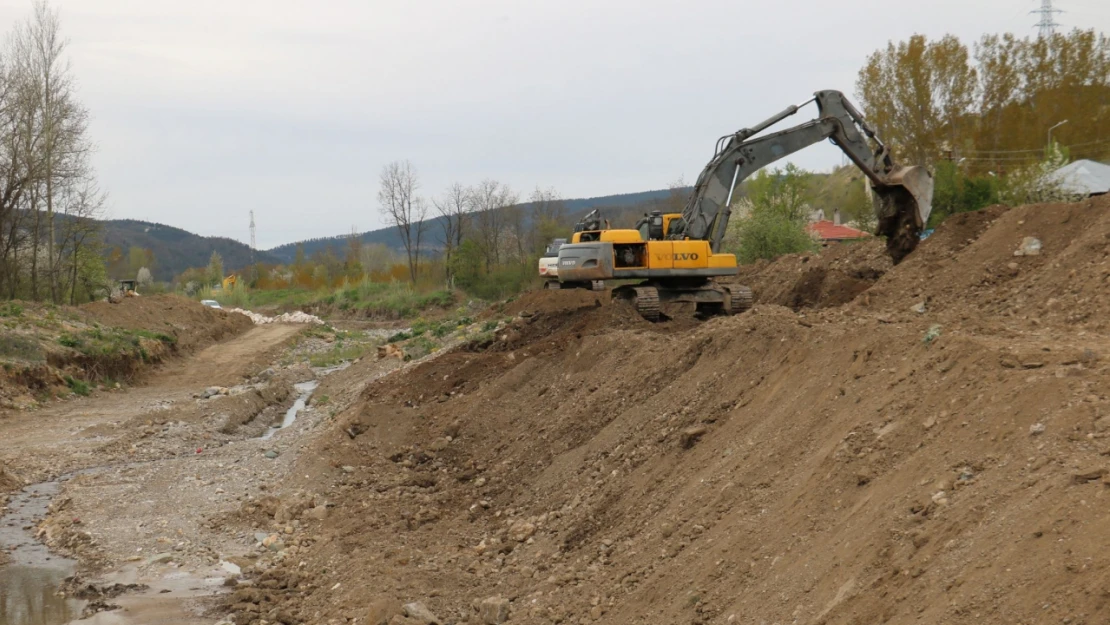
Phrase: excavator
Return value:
(678, 256)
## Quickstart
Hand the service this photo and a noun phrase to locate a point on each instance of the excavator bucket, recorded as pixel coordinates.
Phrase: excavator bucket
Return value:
(903, 204)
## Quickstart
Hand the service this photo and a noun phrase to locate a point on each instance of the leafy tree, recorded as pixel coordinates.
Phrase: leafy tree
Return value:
(785, 191)
(769, 233)
(143, 277)
(215, 268)
(918, 95)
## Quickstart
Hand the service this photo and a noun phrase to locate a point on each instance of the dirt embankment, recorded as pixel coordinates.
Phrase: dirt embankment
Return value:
(50, 351)
(192, 325)
(929, 444)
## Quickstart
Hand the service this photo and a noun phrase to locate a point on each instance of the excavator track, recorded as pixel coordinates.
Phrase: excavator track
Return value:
(647, 302)
(741, 298)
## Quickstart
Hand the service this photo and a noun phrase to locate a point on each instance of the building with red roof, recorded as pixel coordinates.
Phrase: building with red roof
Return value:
(831, 232)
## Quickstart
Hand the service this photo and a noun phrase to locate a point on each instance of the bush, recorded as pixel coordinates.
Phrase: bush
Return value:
(768, 234)
(79, 387)
(68, 340)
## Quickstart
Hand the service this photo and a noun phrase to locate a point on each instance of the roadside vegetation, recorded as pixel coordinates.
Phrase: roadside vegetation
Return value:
(49, 351)
(326, 346)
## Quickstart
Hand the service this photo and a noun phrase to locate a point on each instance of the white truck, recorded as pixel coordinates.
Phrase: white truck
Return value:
(549, 265)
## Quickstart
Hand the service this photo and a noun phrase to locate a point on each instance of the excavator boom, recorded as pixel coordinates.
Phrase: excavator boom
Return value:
(902, 195)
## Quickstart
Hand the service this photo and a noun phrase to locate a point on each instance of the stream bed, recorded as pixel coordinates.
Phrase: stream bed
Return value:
(29, 582)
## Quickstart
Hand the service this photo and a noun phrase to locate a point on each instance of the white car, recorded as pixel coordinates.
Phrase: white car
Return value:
(211, 303)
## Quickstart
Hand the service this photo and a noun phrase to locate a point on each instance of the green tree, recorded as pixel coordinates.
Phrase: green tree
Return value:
(215, 268)
(768, 233)
(786, 191)
(918, 94)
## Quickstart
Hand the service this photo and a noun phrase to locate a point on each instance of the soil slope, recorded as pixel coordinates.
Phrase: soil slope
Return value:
(921, 443)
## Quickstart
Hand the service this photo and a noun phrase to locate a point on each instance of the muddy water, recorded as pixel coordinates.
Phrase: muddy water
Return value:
(304, 390)
(29, 582)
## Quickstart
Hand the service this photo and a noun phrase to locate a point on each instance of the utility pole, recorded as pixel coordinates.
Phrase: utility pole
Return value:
(1047, 24)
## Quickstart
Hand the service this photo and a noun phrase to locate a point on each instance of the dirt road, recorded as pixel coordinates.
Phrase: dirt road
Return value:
(68, 436)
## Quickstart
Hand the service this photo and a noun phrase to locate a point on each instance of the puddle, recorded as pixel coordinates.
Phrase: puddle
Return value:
(30, 580)
(305, 391)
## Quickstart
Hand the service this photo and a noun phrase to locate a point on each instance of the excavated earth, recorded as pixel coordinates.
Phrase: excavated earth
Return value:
(920, 443)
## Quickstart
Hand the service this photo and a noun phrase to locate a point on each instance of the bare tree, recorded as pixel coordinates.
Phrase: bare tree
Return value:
(487, 200)
(452, 208)
(62, 121)
(403, 209)
(79, 238)
(43, 155)
(548, 212)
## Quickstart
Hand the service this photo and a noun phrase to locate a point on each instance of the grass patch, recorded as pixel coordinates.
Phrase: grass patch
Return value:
(341, 353)
(20, 347)
(393, 300)
(419, 347)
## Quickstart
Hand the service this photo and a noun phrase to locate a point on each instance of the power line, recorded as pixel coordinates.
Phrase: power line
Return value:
(1047, 24)
(986, 154)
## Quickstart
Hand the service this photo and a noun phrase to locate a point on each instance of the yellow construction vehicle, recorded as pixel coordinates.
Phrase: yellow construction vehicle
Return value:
(230, 282)
(678, 255)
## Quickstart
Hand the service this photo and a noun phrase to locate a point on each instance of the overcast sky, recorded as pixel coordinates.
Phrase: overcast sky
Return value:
(205, 109)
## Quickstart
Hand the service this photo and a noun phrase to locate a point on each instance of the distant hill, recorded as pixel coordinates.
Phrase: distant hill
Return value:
(619, 208)
(176, 250)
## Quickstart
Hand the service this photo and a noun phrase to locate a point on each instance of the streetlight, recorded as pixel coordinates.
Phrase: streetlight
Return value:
(1049, 145)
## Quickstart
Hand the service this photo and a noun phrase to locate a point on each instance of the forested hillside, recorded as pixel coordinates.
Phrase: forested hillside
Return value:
(618, 206)
(174, 250)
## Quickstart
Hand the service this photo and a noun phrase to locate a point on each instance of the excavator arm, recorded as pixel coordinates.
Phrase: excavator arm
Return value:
(902, 195)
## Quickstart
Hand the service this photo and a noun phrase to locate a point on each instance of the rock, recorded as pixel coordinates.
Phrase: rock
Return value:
(521, 531)
(494, 610)
(159, 558)
(211, 391)
(691, 435)
(348, 468)
(1090, 474)
(1036, 428)
(1103, 424)
(1030, 246)
(930, 422)
(273, 542)
(271, 454)
(319, 513)
(420, 613)
(439, 444)
(260, 536)
(390, 350)
(918, 308)
(382, 610)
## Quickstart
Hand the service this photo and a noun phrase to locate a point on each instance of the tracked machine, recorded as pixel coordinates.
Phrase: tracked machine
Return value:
(677, 257)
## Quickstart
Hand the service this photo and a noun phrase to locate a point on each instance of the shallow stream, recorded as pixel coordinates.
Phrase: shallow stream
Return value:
(29, 582)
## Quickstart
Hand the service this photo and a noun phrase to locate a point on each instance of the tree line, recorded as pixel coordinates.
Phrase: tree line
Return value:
(483, 229)
(993, 106)
(49, 198)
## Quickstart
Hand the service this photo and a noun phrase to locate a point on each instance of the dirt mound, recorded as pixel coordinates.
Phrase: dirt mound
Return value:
(970, 269)
(833, 277)
(864, 464)
(192, 325)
